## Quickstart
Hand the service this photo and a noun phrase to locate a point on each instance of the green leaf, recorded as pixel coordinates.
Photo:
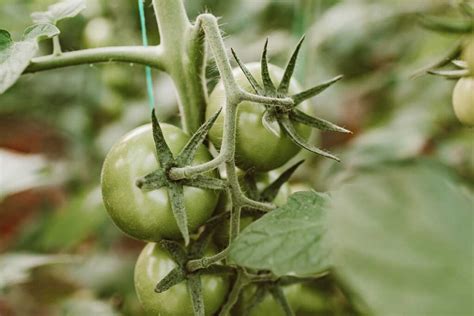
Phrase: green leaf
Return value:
(401, 241)
(81, 218)
(16, 267)
(40, 31)
(14, 58)
(59, 11)
(80, 306)
(287, 240)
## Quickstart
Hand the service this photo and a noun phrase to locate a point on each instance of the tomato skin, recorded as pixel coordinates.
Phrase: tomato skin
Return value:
(154, 264)
(463, 100)
(148, 215)
(256, 147)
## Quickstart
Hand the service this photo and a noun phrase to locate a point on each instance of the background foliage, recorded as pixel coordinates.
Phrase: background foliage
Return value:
(408, 162)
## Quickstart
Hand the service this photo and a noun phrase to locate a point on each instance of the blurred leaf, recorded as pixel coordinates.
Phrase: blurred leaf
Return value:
(105, 272)
(80, 219)
(21, 172)
(16, 267)
(59, 11)
(401, 138)
(401, 238)
(87, 306)
(287, 240)
(14, 58)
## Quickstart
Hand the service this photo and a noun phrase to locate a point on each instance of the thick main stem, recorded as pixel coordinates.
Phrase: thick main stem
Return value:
(184, 50)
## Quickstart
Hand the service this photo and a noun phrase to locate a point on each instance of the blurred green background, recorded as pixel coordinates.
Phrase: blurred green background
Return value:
(62, 255)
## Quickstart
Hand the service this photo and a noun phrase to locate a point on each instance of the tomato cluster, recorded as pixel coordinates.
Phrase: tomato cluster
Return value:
(148, 214)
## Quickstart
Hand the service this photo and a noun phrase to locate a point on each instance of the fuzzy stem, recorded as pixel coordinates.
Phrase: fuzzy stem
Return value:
(56, 46)
(151, 56)
(184, 50)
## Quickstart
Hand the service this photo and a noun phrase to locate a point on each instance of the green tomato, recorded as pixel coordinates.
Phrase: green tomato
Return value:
(152, 266)
(256, 147)
(148, 215)
(463, 100)
(268, 306)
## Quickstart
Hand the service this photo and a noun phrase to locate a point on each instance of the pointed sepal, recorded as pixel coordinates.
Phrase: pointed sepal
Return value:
(176, 198)
(248, 183)
(175, 276)
(195, 291)
(205, 182)
(271, 191)
(176, 251)
(267, 80)
(165, 157)
(253, 82)
(256, 299)
(187, 154)
(290, 67)
(301, 117)
(302, 96)
(281, 299)
(270, 122)
(298, 140)
(152, 181)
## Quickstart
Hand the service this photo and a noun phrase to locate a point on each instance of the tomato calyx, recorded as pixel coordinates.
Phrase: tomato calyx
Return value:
(181, 256)
(160, 178)
(278, 118)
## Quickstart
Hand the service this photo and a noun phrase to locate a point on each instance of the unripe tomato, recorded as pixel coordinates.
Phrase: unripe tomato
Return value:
(152, 266)
(148, 215)
(256, 147)
(463, 100)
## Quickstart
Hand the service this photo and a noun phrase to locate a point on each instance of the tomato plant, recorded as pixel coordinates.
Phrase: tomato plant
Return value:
(161, 184)
(148, 215)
